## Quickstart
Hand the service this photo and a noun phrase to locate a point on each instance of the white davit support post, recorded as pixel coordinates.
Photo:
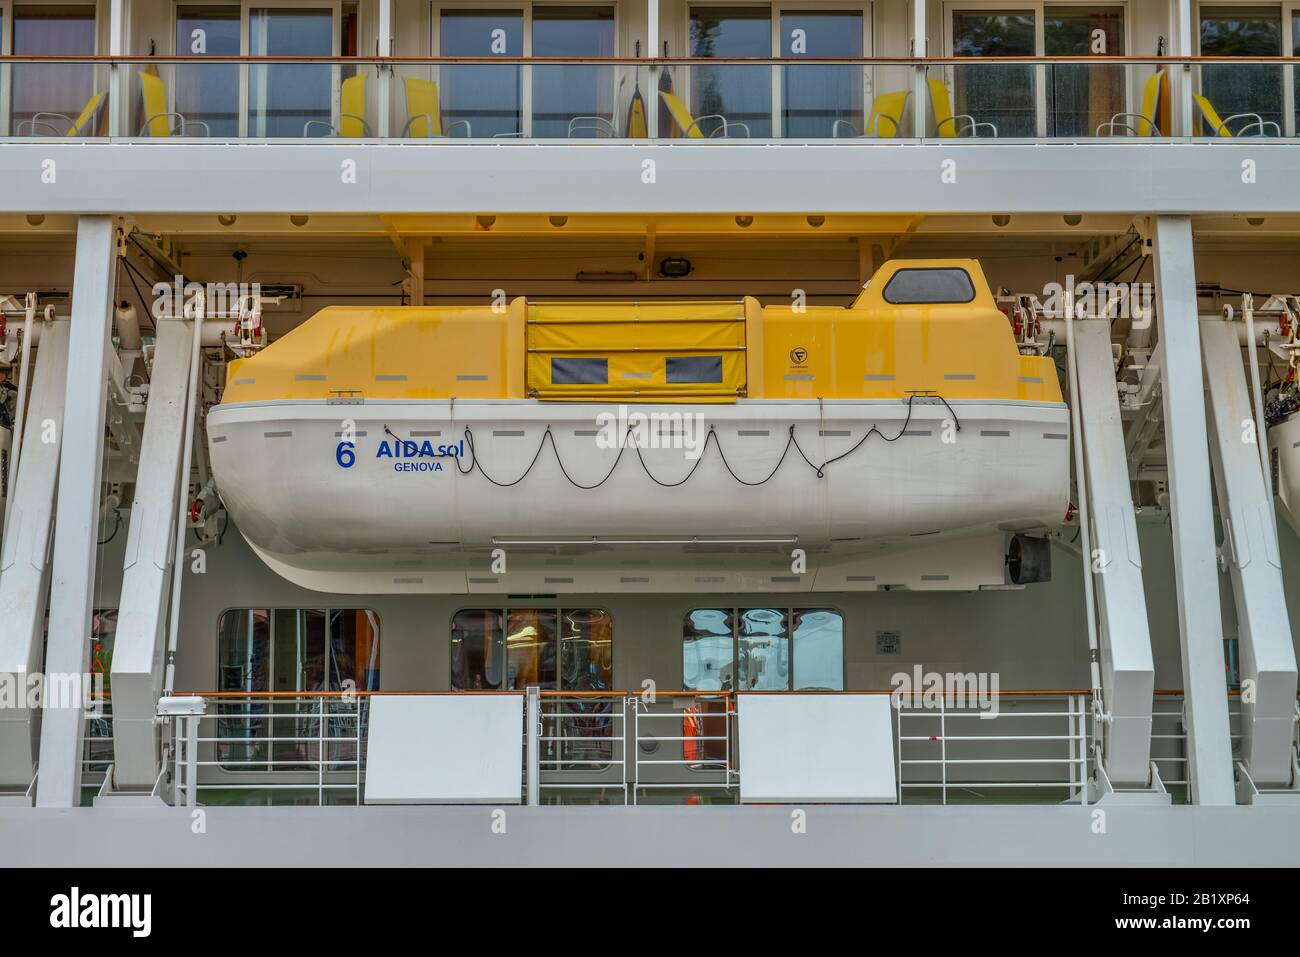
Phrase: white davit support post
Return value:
(1196, 568)
(141, 640)
(24, 567)
(72, 574)
(1268, 662)
(1127, 668)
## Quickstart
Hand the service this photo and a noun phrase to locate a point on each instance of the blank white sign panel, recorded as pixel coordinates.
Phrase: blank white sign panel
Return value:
(445, 749)
(816, 748)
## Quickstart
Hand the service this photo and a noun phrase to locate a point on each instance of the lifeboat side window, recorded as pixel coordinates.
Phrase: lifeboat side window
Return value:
(763, 649)
(687, 369)
(262, 650)
(579, 371)
(929, 287)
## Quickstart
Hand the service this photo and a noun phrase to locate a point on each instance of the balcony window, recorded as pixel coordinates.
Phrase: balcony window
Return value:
(1249, 87)
(763, 649)
(573, 99)
(557, 649)
(1082, 96)
(208, 93)
(488, 97)
(737, 94)
(291, 99)
(291, 650)
(1000, 94)
(817, 97)
(45, 98)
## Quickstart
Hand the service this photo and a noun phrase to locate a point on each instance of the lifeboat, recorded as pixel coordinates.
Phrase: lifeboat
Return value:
(1284, 459)
(698, 446)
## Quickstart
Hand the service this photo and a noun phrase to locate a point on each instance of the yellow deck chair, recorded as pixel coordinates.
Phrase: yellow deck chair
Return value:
(424, 111)
(159, 121)
(948, 124)
(352, 111)
(1219, 125)
(83, 125)
(1145, 124)
(885, 119)
(691, 126)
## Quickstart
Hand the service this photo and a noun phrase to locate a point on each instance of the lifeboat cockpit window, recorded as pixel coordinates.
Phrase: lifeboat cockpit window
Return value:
(689, 369)
(579, 371)
(909, 287)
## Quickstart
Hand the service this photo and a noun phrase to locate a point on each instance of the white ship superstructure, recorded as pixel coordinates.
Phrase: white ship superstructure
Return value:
(887, 409)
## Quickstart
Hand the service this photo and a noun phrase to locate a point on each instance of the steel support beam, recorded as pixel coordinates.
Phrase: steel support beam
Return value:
(77, 511)
(24, 567)
(141, 640)
(1250, 547)
(1200, 625)
(1127, 668)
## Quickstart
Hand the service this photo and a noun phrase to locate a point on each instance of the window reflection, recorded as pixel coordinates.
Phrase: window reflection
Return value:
(750, 649)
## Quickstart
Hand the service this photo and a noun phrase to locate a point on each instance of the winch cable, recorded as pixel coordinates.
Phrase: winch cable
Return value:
(712, 436)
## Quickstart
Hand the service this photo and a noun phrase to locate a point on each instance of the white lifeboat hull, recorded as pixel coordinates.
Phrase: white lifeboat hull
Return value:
(443, 496)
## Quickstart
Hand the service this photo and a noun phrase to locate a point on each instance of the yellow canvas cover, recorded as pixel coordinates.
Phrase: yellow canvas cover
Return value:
(636, 351)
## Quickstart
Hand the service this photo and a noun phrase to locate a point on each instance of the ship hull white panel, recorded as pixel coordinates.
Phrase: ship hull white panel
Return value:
(828, 749)
(444, 749)
(366, 519)
(1284, 452)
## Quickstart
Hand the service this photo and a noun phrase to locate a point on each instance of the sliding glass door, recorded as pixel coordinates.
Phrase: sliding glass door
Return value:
(45, 98)
(291, 99)
(208, 93)
(738, 94)
(573, 100)
(815, 98)
(1240, 31)
(488, 97)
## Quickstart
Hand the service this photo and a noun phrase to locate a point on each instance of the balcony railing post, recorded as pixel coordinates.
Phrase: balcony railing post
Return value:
(920, 46)
(533, 724)
(384, 48)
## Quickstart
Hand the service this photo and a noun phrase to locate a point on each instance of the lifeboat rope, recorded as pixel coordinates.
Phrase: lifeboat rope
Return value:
(791, 441)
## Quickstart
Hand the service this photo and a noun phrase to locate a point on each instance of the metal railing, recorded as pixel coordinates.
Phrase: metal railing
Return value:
(503, 99)
(1040, 742)
(1016, 747)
